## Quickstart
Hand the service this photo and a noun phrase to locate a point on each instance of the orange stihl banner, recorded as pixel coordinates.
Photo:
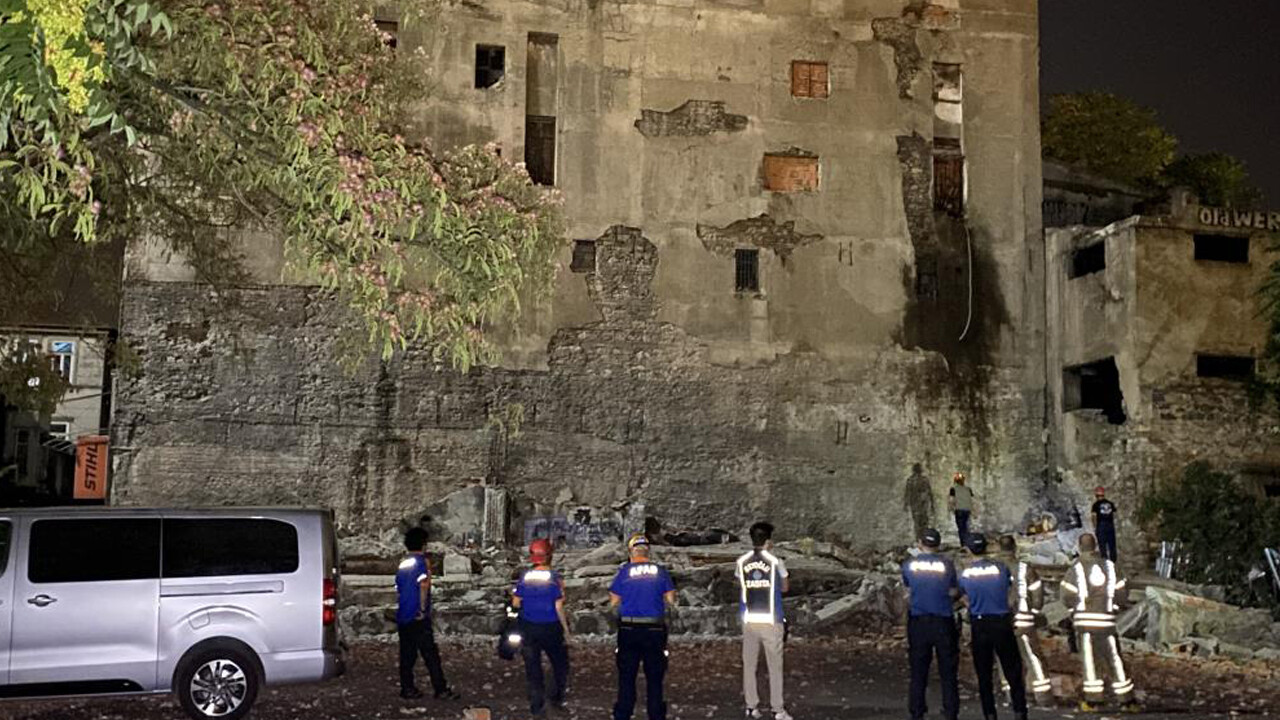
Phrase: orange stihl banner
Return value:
(91, 468)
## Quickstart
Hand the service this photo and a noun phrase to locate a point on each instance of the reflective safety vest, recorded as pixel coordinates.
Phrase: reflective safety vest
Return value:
(1091, 586)
(1030, 597)
(759, 579)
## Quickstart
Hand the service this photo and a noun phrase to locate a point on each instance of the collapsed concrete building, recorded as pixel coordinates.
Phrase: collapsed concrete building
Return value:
(1155, 330)
(806, 253)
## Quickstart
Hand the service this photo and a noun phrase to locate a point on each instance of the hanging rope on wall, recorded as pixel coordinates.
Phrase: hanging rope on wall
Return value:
(968, 243)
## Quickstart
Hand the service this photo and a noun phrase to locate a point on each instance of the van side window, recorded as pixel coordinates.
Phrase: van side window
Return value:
(98, 550)
(5, 534)
(250, 546)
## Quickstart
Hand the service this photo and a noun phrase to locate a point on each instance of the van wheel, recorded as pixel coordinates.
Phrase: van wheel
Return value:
(220, 682)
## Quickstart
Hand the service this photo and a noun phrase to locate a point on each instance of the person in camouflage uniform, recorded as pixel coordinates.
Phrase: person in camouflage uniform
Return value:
(918, 500)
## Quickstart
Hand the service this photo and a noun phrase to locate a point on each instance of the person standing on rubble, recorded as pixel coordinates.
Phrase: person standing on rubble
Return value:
(986, 584)
(1104, 523)
(641, 591)
(413, 620)
(960, 502)
(763, 579)
(1089, 588)
(539, 596)
(1028, 599)
(918, 500)
(930, 579)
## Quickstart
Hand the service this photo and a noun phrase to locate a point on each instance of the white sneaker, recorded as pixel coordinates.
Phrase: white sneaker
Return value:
(782, 715)
(753, 714)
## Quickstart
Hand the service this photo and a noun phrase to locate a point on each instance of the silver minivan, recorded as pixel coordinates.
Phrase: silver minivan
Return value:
(209, 604)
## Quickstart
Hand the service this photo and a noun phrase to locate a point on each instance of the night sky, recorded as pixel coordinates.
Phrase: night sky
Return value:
(1209, 68)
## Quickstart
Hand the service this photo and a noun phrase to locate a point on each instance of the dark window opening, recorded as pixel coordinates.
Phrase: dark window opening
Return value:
(206, 548)
(390, 30)
(746, 275)
(491, 65)
(948, 183)
(540, 148)
(1222, 248)
(1089, 259)
(1271, 489)
(927, 278)
(1094, 386)
(1228, 367)
(584, 256)
(94, 550)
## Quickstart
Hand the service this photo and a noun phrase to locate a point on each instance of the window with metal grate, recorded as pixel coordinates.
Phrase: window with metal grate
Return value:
(746, 276)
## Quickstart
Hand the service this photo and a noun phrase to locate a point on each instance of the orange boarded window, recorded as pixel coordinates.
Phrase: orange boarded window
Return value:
(790, 173)
(809, 79)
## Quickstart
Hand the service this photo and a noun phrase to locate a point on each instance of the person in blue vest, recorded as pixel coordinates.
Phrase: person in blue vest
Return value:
(930, 578)
(985, 584)
(762, 579)
(539, 596)
(413, 620)
(641, 591)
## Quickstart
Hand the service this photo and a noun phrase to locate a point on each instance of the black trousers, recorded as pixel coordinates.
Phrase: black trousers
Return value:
(536, 639)
(417, 638)
(993, 636)
(641, 645)
(928, 635)
(1107, 541)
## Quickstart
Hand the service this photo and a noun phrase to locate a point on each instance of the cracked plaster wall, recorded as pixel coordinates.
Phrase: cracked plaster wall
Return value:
(809, 401)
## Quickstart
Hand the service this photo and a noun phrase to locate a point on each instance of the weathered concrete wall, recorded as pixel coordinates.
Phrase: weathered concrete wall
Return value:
(652, 380)
(1153, 309)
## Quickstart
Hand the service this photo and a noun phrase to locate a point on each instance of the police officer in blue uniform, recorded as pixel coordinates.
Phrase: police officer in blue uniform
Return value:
(413, 620)
(543, 627)
(986, 584)
(930, 578)
(641, 590)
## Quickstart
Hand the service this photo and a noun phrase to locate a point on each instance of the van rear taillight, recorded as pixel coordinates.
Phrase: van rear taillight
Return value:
(330, 601)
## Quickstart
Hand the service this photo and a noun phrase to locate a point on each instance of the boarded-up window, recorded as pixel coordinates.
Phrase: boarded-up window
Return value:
(491, 64)
(809, 79)
(584, 256)
(790, 173)
(540, 148)
(746, 270)
(948, 183)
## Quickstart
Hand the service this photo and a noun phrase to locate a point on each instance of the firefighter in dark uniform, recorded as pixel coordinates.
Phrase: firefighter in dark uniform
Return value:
(930, 579)
(1028, 600)
(986, 584)
(1089, 588)
(539, 596)
(641, 591)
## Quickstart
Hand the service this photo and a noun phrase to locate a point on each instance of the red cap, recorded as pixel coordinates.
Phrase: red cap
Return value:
(1099, 490)
(540, 549)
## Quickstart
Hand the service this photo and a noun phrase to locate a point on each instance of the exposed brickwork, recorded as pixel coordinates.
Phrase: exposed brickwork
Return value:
(629, 411)
(761, 231)
(695, 117)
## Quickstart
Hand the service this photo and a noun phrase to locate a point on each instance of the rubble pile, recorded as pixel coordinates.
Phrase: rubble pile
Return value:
(832, 589)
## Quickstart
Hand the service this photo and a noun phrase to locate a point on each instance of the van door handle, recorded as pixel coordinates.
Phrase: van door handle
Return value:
(42, 600)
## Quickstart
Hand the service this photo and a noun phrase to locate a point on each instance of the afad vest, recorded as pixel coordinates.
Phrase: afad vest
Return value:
(758, 578)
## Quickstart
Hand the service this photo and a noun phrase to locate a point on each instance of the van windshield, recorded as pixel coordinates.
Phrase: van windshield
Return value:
(5, 533)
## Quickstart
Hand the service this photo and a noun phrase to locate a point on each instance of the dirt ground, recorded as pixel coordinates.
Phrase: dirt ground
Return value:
(847, 679)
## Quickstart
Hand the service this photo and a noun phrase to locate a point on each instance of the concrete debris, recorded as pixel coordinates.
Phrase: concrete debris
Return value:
(457, 565)
(1175, 616)
(825, 592)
